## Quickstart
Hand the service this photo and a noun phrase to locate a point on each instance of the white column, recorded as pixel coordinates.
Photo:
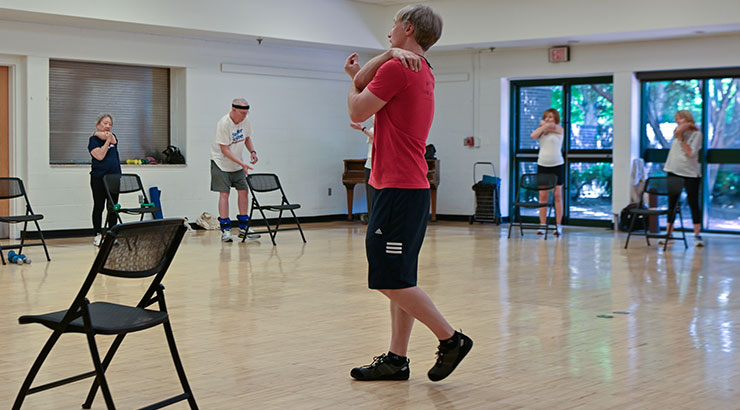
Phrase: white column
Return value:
(626, 136)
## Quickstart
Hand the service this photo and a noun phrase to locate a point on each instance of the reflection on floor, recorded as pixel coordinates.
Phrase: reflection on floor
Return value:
(280, 327)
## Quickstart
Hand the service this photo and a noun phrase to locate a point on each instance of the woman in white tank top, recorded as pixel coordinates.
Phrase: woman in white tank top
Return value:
(550, 161)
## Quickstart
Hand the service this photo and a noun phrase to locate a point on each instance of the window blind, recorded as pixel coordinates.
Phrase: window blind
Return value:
(137, 97)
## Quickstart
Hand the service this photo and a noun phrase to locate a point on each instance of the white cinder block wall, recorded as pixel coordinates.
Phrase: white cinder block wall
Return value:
(300, 125)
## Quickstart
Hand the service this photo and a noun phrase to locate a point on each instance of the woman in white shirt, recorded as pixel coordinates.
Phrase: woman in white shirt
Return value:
(550, 161)
(369, 133)
(683, 163)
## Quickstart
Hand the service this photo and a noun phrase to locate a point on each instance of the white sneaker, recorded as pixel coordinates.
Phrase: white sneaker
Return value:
(661, 242)
(187, 225)
(226, 236)
(97, 240)
(540, 232)
(250, 234)
(558, 231)
(698, 242)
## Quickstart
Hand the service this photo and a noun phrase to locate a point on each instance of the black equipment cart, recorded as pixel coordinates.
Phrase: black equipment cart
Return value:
(487, 191)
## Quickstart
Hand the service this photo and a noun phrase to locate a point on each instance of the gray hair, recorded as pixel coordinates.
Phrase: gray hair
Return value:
(427, 23)
(102, 116)
(239, 101)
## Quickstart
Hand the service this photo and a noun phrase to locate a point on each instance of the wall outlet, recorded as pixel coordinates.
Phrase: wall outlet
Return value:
(329, 192)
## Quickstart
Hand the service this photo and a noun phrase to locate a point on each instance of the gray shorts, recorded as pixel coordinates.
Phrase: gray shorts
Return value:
(222, 181)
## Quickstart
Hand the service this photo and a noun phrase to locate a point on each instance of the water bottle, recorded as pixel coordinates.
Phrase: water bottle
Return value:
(15, 258)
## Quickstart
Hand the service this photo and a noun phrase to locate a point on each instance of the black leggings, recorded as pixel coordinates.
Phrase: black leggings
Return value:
(99, 199)
(692, 186)
(370, 192)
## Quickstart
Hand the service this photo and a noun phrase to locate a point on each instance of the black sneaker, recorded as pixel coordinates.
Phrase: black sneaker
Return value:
(449, 358)
(381, 369)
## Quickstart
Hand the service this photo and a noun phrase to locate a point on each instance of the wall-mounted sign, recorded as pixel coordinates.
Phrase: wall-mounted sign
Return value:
(559, 54)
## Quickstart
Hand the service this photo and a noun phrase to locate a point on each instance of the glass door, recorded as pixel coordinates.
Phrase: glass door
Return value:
(714, 101)
(586, 109)
(589, 152)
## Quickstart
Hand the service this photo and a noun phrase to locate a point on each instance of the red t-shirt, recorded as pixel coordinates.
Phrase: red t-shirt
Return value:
(401, 126)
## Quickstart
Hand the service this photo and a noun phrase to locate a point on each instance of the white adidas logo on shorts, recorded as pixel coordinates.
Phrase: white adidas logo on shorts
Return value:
(395, 248)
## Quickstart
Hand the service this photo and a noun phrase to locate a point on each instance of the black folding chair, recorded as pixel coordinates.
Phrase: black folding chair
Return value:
(136, 250)
(264, 183)
(128, 184)
(530, 186)
(659, 187)
(13, 188)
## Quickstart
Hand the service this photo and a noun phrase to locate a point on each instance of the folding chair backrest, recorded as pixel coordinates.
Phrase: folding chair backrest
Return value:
(123, 183)
(263, 182)
(140, 249)
(538, 182)
(11, 188)
(663, 186)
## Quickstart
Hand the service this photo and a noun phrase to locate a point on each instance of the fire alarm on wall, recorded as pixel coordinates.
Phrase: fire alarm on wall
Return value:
(559, 54)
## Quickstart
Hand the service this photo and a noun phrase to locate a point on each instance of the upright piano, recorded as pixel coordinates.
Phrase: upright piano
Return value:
(354, 173)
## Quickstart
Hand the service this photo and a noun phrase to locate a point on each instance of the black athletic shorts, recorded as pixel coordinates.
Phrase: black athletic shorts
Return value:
(394, 236)
(558, 170)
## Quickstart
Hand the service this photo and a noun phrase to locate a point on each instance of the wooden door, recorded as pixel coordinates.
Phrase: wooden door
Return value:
(4, 142)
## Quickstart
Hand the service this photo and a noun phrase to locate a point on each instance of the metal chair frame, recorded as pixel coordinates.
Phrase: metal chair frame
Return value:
(262, 183)
(658, 186)
(11, 187)
(136, 250)
(542, 182)
(126, 184)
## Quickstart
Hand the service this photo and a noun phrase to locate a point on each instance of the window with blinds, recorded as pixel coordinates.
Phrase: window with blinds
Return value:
(137, 97)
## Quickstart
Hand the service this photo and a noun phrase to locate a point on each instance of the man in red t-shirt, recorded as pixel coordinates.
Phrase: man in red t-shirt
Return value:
(398, 88)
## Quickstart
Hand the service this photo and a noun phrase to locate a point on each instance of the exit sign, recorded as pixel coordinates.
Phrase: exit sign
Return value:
(559, 54)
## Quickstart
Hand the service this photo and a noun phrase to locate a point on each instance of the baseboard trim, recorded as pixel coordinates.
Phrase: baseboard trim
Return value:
(89, 232)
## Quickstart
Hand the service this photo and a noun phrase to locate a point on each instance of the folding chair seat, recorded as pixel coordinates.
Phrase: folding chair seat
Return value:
(260, 184)
(13, 188)
(122, 184)
(530, 186)
(138, 251)
(658, 187)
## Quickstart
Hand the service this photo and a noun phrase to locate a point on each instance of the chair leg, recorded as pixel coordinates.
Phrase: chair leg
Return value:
(280, 218)
(269, 230)
(521, 227)
(23, 236)
(100, 371)
(511, 224)
(43, 242)
(299, 225)
(106, 362)
(646, 227)
(2, 256)
(35, 369)
(547, 221)
(629, 232)
(683, 231)
(178, 365)
(668, 237)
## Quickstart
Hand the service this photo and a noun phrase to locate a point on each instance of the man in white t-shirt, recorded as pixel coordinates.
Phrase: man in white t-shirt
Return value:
(233, 133)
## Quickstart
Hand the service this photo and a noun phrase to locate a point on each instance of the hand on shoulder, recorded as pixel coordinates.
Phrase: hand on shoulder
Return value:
(409, 59)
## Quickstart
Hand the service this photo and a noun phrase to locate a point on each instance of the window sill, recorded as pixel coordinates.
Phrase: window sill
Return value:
(123, 166)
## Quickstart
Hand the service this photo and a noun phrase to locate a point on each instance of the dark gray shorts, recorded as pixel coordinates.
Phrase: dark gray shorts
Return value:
(222, 181)
(394, 236)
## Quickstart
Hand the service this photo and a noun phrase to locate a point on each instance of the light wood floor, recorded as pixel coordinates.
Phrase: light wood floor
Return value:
(265, 327)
